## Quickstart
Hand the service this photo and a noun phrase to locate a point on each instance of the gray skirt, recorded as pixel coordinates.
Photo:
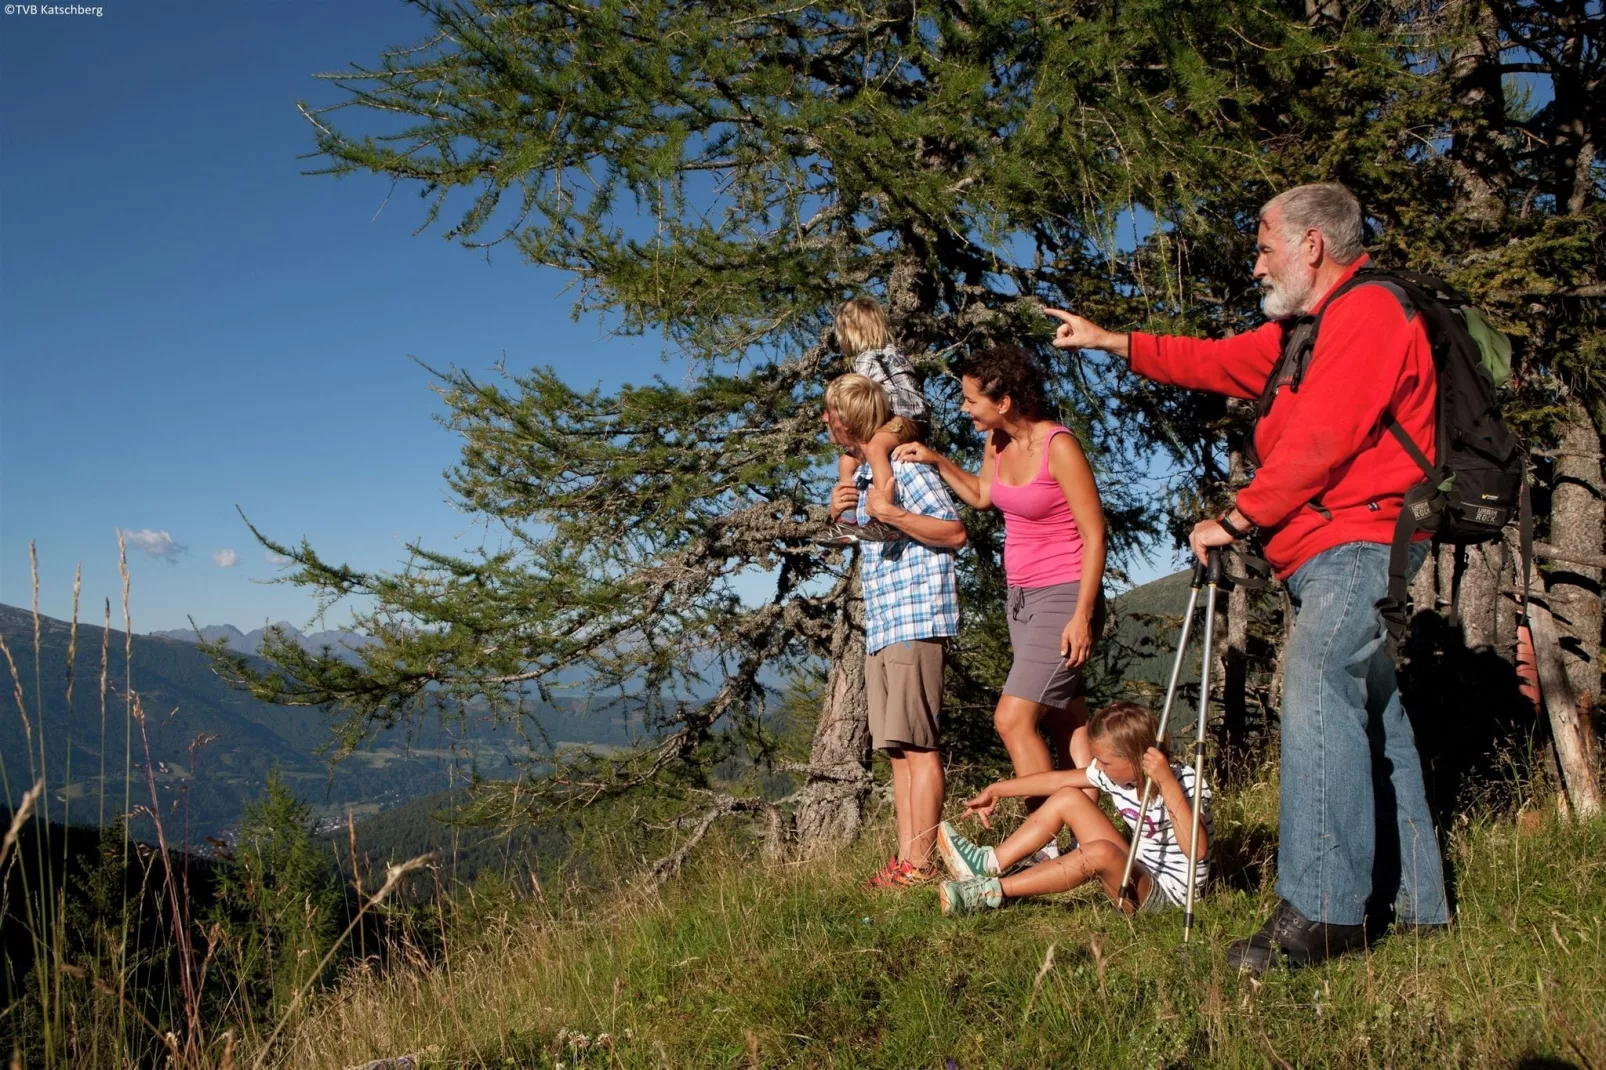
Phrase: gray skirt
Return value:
(1037, 619)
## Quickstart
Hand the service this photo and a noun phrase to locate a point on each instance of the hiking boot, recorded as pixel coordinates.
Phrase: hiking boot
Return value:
(1420, 928)
(965, 860)
(1297, 939)
(972, 896)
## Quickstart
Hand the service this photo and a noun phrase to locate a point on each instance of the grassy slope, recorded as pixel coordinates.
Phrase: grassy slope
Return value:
(741, 965)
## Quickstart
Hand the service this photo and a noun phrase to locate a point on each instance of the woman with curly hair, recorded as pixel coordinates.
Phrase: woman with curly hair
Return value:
(1033, 471)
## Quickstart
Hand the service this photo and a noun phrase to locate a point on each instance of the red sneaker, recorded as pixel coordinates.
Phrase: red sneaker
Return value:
(889, 873)
(913, 876)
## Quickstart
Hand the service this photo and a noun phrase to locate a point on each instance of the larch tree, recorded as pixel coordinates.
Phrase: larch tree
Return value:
(722, 175)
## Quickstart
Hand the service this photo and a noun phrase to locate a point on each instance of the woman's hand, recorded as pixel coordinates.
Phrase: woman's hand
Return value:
(982, 806)
(1076, 641)
(916, 453)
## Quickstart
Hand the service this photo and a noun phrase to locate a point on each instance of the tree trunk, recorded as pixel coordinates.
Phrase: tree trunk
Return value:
(1574, 605)
(831, 804)
(1480, 598)
(1476, 154)
(1232, 652)
(1569, 716)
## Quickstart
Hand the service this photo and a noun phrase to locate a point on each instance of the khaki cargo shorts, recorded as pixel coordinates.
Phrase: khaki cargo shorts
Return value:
(904, 681)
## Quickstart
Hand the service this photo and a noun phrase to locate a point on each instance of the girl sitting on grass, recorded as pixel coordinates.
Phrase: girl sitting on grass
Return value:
(1122, 737)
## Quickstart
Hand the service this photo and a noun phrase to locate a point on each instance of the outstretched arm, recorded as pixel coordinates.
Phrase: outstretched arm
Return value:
(972, 489)
(1236, 366)
(1077, 333)
(1036, 785)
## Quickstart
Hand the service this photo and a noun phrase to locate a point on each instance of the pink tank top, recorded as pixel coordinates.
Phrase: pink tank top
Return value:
(1042, 545)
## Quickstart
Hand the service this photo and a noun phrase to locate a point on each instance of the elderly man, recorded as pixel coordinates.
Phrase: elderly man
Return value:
(1329, 487)
(911, 607)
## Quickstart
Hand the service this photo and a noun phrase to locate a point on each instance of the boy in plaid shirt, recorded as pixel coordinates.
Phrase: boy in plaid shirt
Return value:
(911, 607)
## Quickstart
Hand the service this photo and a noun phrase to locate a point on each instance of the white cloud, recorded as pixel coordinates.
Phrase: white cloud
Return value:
(275, 559)
(158, 544)
(225, 558)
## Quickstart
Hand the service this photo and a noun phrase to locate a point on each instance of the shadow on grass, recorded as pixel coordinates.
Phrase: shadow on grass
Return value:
(1243, 857)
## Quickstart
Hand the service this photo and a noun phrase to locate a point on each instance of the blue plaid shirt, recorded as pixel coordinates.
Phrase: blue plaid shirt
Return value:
(910, 589)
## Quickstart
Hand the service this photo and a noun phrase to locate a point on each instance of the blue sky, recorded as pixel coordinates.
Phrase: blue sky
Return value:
(192, 324)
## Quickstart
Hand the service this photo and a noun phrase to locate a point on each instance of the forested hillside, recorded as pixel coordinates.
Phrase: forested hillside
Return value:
(212, 745)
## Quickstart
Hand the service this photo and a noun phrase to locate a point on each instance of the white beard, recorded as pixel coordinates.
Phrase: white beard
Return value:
(1282, 300)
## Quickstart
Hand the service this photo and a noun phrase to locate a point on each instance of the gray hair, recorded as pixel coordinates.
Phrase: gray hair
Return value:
(1325, 206)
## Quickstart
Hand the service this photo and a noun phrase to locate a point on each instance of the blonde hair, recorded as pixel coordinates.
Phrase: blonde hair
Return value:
(1130, 729)
(859, 403)
(860, 325)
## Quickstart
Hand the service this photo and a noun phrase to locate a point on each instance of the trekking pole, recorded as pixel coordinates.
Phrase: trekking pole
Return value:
(1214, 585)
(1165, 716)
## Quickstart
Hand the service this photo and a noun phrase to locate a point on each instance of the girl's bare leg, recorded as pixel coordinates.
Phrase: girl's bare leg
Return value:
(1100, 859)
(846, 469)
(1100, 852)
(878, 451)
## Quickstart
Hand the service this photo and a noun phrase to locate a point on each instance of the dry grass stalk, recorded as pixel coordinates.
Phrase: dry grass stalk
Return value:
(20, 818)
(1042, 972)
(393, 878)
(72, 633)
(16, 682)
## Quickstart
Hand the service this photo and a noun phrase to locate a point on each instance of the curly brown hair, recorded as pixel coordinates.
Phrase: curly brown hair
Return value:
(1012, 372)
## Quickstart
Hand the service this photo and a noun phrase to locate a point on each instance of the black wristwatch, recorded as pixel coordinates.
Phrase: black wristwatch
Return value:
(1237, 533)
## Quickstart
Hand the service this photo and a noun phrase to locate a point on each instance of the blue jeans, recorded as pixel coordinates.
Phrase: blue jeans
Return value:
(1354, 810)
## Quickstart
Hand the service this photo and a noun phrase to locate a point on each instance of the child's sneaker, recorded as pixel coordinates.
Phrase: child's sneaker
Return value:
(877, 531)
(972, 896)
(965, 860)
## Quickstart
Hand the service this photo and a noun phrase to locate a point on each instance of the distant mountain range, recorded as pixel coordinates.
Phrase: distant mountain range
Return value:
(251, 642)
(212, 745)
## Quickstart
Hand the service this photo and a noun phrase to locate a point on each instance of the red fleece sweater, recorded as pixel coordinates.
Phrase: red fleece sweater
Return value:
(1325, 442)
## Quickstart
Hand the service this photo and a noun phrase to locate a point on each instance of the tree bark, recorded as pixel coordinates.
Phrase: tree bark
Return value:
(1569, 724)
(1576, 524)
(1232, 652)
(1572, 652)
(830, 806)
(1480, 598)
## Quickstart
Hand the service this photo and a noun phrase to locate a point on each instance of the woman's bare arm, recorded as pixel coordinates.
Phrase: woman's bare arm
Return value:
(1070, 468)
(972, 489)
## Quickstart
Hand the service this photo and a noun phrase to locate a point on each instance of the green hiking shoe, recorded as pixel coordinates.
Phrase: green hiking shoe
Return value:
(972, 896)
(965, 860)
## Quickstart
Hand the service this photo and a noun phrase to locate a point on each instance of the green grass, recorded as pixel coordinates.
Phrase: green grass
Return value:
(742, 965)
